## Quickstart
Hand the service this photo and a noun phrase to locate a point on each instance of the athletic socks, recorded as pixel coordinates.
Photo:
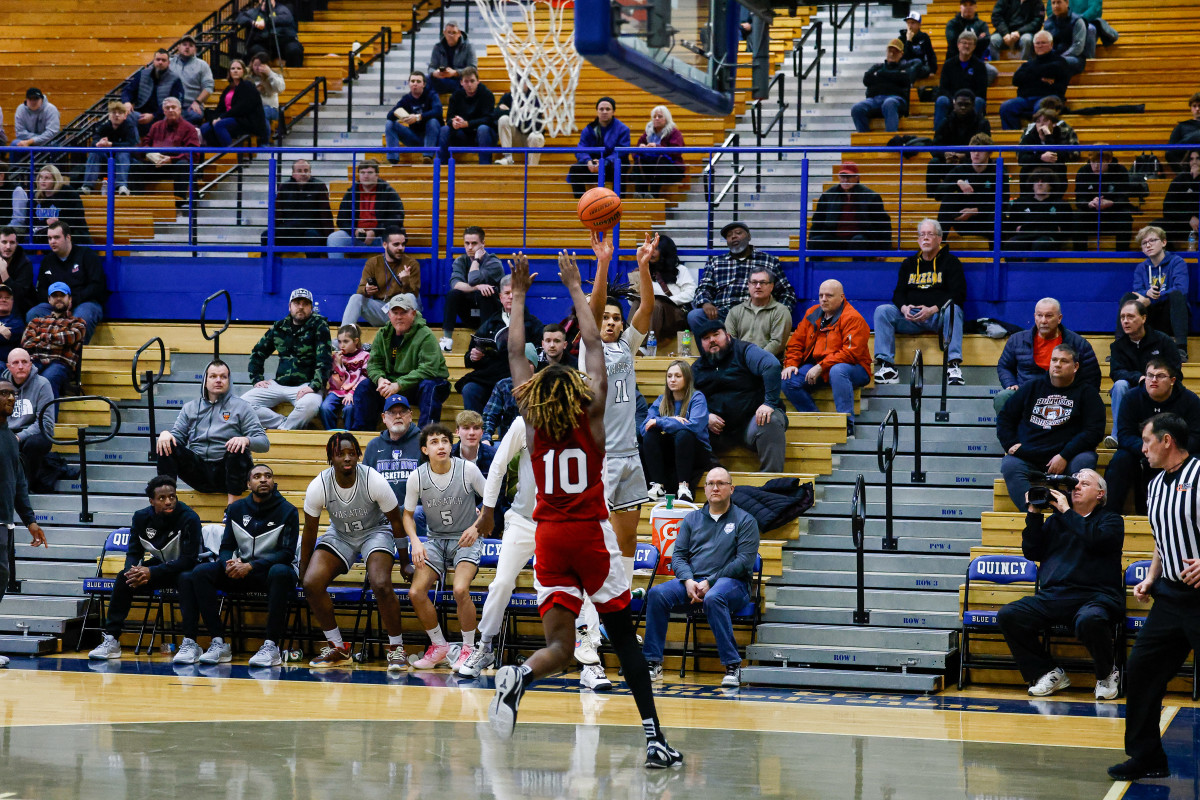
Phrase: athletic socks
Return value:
(335, 637)
(395, 641)
(628, 561)
(468, 638)
(485, 641)
(435, 635)
(621, 635)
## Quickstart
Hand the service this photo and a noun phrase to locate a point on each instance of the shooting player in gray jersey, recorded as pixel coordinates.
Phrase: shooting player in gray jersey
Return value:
(448, 489)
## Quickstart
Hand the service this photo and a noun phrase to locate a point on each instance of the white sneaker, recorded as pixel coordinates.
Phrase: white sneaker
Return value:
(446, 343)
(506, 161)
(3, 662)
(1050, 683)
(1109, 442)
(592, 677)
(656, 492)
(733, 677)
(123, 190)
(479, 660)
(189, 652)
(109, 647)
(656, 673)
(683, 493)
(585, 648)
(954, 376)
(1107, 688)
(886, 373)
(267, 656)
(219, 652)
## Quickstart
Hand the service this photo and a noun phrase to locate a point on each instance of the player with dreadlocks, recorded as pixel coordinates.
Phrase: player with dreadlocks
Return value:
(361, 504)
(576, 550)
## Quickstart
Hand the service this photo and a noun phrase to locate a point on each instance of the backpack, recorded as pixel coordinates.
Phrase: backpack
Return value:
(1144, 167)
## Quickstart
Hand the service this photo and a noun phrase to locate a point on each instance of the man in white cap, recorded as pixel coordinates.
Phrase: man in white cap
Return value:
(305, 360)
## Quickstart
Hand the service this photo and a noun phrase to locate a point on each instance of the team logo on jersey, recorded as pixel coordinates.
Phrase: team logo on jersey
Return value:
(225, 416)
(729, 526)
(396, 454)
(151, 532)
(1052, 411)
(1183, 487)
(75, 268)
(245, 520)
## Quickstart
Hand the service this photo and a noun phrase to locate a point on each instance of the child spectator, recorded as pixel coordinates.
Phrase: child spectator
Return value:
(349, 366)
(118, 131)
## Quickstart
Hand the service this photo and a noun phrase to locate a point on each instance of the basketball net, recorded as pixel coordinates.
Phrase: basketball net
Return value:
(543, 66)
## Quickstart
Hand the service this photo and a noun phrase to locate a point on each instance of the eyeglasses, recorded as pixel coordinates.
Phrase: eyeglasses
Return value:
(927, 235)
(1150, 240)
(761, 283)
(1157, 376)
(717, 484)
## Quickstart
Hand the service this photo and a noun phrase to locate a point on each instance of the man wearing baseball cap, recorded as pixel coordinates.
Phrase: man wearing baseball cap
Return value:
(405, 360)
(55, 340)
(36, 121)
(197, 78)
(395, 452)
(725, 282)
(887, 92)
(850, 216)
(305, 360)
(920, 56)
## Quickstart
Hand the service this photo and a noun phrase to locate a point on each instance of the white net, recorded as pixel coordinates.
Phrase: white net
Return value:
(539, 52)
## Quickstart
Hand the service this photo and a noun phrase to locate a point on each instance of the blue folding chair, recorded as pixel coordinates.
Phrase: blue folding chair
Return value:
(98, 588)
(993, 570)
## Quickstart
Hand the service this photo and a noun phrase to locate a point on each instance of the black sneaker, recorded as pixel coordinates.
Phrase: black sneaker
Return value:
(1135, 770)
(849, 429)
(660, 755)
(502, 711)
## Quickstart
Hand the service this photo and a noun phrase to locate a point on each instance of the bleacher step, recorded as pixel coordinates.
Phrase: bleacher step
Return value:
(933, 464)
(29, 570)
(28, 645)
(872, 580)
(32, 604)
(841, 679)
(56, 626)
(818, 615)
(910, 495)
(839, 525)
(861, 636)
(875, 562)
(934, 441)
(846, 597)
(907, 544)
(848, 656)
(67, 589)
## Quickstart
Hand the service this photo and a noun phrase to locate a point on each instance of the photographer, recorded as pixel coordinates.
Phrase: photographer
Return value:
(1079, 584)
(1050, 425)
(487, 357)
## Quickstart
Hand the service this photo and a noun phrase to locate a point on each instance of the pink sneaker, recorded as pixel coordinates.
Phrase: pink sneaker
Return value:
(463, 654)
(435, 655)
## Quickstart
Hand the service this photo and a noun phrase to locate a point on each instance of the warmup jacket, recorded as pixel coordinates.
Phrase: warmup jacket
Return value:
(1017, 368)
(171, 541)
(263, 534)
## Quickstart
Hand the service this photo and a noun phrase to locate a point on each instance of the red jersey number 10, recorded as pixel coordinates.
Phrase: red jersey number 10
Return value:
(567, 467)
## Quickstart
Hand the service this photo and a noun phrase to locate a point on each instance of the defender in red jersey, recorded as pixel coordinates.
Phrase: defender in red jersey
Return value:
(575, 547)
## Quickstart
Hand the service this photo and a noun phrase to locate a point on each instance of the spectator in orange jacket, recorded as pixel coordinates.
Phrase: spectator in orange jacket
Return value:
(830, 345)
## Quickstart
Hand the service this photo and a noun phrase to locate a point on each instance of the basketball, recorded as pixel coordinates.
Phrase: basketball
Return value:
(599, 209)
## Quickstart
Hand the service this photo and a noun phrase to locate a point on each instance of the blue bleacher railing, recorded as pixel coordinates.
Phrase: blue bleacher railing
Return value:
(1003, 281)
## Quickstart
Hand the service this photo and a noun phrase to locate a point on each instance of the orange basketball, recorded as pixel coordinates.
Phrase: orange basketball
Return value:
(599, 209)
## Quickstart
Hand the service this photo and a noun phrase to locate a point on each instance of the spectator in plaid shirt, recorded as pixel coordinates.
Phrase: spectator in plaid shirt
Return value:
(55, 341)
(501, 408)
(726, 277)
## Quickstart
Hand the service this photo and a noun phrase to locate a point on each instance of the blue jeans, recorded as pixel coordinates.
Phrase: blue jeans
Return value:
(889, 321)
(483, 136)
(57, 373)
(1011, 111)
(944, 105)
(887, 106)
(725, 597)
(475, 396)
(341, 239)
(1016, 472)
(397, 135)
(91, 314)
(428, 397)
(1117, 393)
(443, 85)
(221, 132)
(98, 163)
(843, 378)
(331, 406)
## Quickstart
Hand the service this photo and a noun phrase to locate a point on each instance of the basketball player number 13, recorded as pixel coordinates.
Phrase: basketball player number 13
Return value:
(568, 461)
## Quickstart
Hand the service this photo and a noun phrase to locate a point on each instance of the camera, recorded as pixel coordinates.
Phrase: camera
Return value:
(1041, 484)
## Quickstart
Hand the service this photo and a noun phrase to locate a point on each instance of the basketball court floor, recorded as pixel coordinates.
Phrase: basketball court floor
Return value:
(141, 728)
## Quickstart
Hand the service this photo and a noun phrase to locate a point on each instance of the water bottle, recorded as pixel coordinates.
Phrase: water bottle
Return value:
(685, 343)
(651, 344)
(1192, 241)
(670, 501)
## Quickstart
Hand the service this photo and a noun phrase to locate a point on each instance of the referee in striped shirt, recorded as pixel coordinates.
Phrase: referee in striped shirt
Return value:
(1172, 628)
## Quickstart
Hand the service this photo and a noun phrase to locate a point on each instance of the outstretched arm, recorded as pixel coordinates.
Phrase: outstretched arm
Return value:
(589, 330)
(603, 248)
(640, 320)
(519, 367)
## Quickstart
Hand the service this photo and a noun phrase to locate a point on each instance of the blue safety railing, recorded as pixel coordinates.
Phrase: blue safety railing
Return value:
(779, 214)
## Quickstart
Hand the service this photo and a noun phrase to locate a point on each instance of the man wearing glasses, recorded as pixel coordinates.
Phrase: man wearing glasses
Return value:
(761, 319)
(1161, 284)
(1158, 391)
(713, 562)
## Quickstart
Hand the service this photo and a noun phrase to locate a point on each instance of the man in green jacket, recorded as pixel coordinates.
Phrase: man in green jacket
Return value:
(405, 360)
(302, 341)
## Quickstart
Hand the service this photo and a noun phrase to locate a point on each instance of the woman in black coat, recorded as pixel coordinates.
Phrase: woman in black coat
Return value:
(239, 111)
(55, 199)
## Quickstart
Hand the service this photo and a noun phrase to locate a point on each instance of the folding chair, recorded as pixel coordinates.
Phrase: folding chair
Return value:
(99, 588)
(994, 570)
(745, 618)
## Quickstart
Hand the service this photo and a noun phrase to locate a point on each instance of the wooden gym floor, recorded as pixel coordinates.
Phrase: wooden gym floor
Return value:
(140, 728)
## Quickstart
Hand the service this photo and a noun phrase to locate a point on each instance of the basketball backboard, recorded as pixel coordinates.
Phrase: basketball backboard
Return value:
(682, 50)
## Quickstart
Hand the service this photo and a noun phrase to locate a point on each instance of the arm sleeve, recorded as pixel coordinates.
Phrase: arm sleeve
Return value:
(136, 553)
(253, 430)
(686, 285)
(314, 497)
(324, 363)
(1129, 433)
(508, 449)
(784, 292)
(706, 289)
(767, 367)
(856, 335)
(698, 414)
(1092, 431)
(1098, 534)
(21, 502)
(412, 491)
(435, 109)
(183, 423)
(1177, 280)
(475, 478)
(379, 490)
(778, 332)
(1079, 42)
(681, 554)
(1008, 420)
(262, 350)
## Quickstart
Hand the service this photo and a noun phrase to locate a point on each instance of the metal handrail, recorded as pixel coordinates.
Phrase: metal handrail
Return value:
(82, 440)
(948, 311)
(320, 91)
(147, 388)
(215, 337)
(353, 66)
(886, 457)
(801, 73)
(760, 133)
(837, 26)
(916, 385)
(733, 140)
(858, 525)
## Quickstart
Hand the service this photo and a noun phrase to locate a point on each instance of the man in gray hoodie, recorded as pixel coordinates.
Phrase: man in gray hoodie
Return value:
(36, 121)
(33, 394)
(210, 443)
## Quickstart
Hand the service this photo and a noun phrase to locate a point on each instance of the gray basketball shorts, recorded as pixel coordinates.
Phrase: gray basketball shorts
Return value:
(624, 483)
(440, 552)
(349, 548)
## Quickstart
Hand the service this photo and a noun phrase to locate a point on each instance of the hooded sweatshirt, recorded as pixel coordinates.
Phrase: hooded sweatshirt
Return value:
(408, 358)
(32, 396)
(1049, 420)
(931, 283)
(261, 533)
(204, 426)
(172, 541)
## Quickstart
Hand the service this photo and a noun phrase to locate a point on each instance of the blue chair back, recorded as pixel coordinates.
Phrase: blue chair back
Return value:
(489, 554)
(646, 557)
(1136, 572)
(1002, 569)
(117, 541)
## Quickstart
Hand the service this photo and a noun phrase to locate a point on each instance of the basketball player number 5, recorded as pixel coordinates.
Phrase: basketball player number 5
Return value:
(569, 461)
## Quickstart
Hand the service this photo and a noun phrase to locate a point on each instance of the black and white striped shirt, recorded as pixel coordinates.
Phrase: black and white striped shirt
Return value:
(1174, 510)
